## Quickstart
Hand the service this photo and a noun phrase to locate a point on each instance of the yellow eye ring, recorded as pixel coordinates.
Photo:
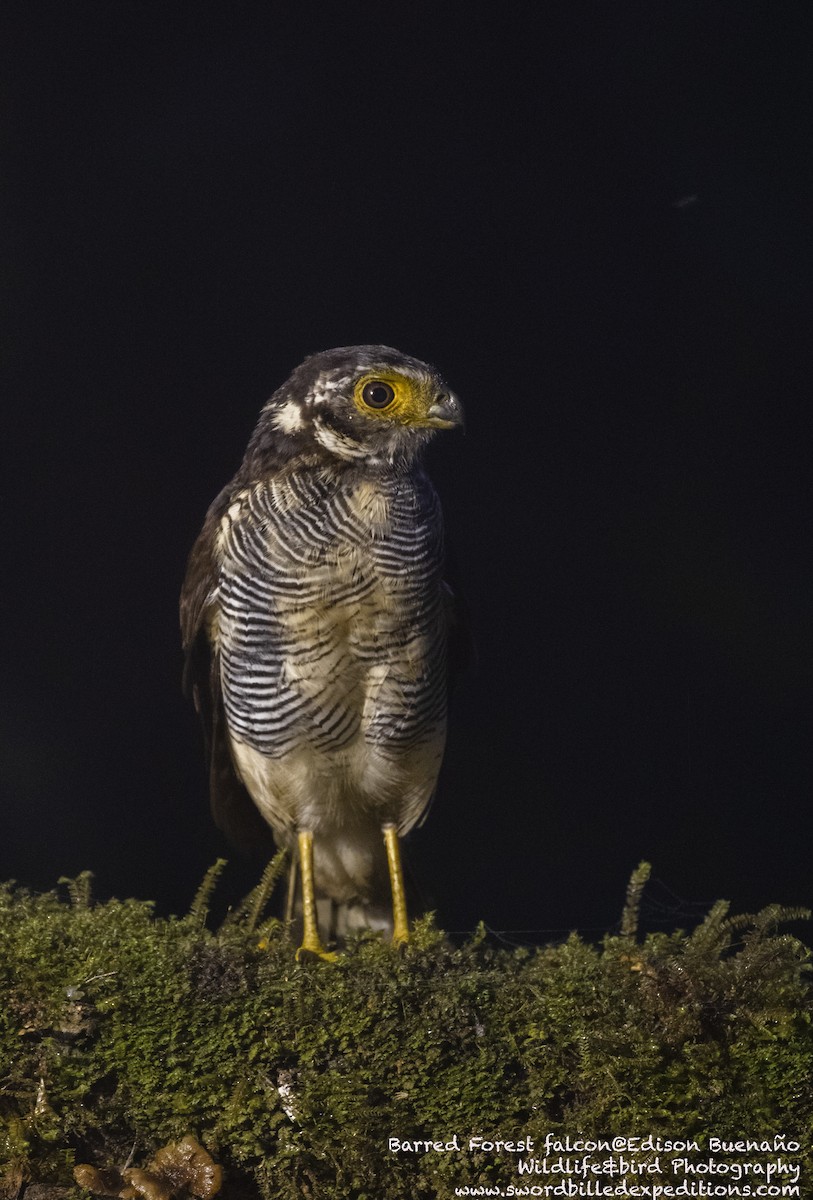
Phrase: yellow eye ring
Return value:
(377, 394)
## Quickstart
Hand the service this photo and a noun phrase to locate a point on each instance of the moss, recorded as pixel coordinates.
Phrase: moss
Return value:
(121, 1032)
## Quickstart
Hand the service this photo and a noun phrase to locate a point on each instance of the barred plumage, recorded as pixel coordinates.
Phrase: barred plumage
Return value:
(317, 582)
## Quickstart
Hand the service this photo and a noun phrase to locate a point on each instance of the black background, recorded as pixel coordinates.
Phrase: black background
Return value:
(594, 218)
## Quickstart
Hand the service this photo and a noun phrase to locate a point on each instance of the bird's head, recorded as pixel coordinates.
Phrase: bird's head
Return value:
(357, 403)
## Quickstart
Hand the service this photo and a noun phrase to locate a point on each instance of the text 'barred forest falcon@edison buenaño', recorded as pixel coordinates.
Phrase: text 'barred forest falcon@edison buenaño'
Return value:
(316, 623)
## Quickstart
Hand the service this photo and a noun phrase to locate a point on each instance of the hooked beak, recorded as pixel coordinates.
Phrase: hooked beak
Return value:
(446, 412)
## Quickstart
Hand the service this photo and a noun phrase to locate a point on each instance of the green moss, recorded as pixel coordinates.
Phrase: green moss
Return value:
(120, 1032)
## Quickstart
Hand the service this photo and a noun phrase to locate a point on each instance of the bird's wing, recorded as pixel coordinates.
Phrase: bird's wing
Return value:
(233, 810)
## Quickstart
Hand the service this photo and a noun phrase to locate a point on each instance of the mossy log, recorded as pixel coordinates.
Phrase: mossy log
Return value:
(121, 1033)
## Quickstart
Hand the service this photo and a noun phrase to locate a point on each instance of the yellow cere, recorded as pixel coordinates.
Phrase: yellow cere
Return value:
(410, 404)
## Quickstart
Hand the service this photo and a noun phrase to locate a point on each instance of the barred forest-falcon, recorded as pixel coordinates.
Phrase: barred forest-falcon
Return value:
(316, 619)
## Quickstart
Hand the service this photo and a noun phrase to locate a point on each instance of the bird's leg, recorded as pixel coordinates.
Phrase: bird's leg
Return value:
(400, 928)
(310, 931)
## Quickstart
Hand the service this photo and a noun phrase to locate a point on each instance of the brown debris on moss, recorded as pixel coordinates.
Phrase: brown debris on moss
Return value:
(101, 1183)
(177, 1171)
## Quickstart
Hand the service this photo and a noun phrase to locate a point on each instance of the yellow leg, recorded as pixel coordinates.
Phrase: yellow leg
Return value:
(400, 928)
(310, 932)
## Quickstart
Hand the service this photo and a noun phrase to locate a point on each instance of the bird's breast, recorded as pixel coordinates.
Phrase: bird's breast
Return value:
(330, 620)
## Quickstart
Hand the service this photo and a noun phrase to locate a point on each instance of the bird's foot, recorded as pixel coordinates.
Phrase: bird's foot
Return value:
(314, 947)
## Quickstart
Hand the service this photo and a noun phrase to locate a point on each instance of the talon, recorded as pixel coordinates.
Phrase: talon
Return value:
(318, 951)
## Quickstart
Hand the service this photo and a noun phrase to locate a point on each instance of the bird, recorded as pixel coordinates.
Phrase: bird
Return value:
(317, 624)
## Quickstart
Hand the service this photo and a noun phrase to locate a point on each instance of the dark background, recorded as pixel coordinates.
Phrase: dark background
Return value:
(594, 218)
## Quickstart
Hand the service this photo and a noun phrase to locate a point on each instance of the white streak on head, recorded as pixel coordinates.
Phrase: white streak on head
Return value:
(324, 388)
(288, 417)
(337, 443)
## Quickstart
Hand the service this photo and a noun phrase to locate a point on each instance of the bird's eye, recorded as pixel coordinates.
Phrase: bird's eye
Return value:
(377, 394)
